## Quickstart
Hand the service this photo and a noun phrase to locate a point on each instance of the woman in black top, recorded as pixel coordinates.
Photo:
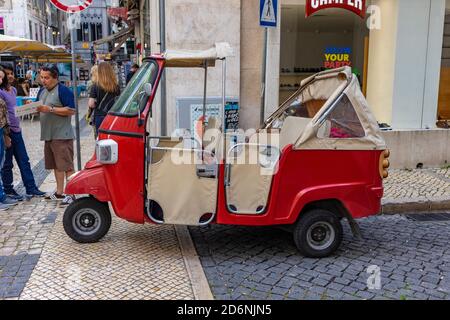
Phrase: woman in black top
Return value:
(103, 93)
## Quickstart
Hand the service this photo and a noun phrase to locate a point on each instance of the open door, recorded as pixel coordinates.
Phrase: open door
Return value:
(182, 186)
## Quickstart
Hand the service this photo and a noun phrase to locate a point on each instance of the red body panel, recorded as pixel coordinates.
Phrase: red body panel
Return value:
(304, 176)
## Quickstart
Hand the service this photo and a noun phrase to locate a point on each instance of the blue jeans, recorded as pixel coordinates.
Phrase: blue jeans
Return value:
(98, 120)
(19, 151)
(2, 161)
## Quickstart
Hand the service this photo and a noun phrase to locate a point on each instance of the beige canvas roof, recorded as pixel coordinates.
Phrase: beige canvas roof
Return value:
(194, 59)
(310, 140)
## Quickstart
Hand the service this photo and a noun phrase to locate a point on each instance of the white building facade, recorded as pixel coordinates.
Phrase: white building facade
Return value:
(402, 60)
(33, 19)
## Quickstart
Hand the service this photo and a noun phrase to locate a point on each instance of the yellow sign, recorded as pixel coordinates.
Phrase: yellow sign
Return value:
(85, 45)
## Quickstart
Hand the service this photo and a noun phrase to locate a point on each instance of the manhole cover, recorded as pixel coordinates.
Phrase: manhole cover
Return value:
(429, 217)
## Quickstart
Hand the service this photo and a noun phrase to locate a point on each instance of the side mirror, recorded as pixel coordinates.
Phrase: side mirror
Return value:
(148, 88)
(145, 94)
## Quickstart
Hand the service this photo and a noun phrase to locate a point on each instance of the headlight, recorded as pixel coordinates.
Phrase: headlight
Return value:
(107, 151)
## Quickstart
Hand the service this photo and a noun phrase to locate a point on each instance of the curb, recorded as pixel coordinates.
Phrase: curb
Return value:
(421, 205)
(200, 285)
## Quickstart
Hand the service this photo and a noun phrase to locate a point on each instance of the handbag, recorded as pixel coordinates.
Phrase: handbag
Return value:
(100, 107)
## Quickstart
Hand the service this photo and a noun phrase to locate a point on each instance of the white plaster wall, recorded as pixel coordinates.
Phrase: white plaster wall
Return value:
(198, 25)
(16, 24)
(380, 89)
(412, 69)
(433, 70)
(252, 40)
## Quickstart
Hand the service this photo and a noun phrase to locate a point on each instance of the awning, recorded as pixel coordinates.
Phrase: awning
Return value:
(55, 58)
(193, 59)
(10, 44)
(117, 37)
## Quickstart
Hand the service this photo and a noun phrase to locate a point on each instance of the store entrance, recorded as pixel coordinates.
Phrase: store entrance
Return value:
(330, 39)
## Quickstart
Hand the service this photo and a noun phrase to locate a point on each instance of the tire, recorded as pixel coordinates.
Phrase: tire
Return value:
(318, 233)
(87, 220)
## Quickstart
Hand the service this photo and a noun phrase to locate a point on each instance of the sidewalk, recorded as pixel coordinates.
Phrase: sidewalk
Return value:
(417, 191)
(38, 260)
(131, 262)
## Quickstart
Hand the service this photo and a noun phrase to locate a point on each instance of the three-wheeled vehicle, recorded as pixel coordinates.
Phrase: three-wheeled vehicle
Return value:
(317, 160)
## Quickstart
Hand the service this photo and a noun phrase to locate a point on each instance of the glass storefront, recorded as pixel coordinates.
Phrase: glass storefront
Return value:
(329, 39)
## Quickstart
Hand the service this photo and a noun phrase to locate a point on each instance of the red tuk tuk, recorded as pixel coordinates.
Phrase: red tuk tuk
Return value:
(317, 160)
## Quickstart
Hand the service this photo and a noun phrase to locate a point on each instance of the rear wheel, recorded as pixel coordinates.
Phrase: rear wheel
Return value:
(87, 220)
(318, 233)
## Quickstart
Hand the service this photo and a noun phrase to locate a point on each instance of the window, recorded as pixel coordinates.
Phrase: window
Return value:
(341, 122)
(99, 31)
(79, 34)
(85, 31)
(93, 32)
(134, 98)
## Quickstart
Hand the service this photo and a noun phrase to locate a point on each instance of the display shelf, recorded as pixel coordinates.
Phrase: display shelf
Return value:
(296, 74)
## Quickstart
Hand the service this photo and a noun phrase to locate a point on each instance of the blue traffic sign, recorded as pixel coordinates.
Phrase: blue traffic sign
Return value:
(268, 13)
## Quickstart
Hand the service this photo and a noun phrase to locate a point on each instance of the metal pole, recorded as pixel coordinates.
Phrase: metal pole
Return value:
(205, 89)
(75, 92)
(263, 80)
(224, 120)
(162, 30)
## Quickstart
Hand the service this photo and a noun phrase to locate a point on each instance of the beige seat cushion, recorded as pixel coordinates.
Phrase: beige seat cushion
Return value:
(292, 130)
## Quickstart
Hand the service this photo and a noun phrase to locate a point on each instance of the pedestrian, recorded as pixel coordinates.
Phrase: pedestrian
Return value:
(5, 142)
(22, 88)
(93, 80)
(103, 93)
(18, 149)
(133, 70)
(57, 109)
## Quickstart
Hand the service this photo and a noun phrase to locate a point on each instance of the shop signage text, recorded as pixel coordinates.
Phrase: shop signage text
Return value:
(337, 57)
(356, 6)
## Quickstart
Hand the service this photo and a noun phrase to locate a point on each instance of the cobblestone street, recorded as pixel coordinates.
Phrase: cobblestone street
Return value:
(263, 263)
(38, 260)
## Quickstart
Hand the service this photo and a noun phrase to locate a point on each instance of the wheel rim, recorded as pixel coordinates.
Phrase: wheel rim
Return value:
(321, 235)
(86, 222)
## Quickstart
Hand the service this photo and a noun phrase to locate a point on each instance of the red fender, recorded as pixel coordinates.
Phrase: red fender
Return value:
(89, 181)
(346, 194)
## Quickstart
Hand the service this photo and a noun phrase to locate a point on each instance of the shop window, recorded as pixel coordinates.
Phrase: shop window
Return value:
(342, 122)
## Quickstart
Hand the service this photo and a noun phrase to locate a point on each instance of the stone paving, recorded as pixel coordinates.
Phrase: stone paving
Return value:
(262, 263)
(38, 261)
(132, 262)
(415, 185)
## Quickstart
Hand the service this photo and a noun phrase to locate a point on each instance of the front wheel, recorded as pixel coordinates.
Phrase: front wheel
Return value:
(87, 220)
(318, 234)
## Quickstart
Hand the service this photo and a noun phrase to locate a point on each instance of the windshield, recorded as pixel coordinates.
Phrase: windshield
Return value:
(134, 97)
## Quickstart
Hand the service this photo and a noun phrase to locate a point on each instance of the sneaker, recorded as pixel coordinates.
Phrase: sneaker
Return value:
(67, 200)
(9, 201)
(35, 193)
(14, 195)
(4, 207)
(55, 197)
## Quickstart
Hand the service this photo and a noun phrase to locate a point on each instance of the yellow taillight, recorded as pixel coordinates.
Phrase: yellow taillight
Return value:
(384, 164)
